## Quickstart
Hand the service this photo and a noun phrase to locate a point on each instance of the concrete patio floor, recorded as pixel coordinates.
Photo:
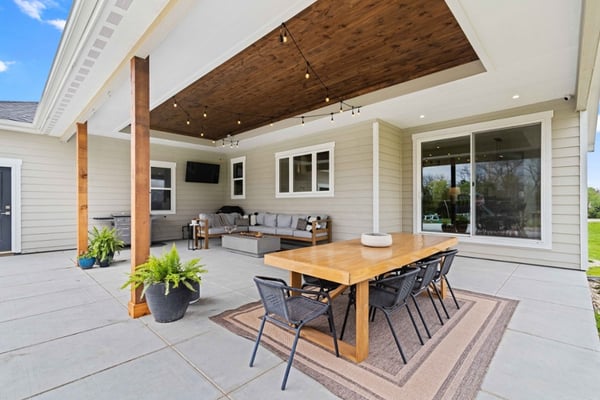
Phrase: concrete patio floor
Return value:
(65, 334)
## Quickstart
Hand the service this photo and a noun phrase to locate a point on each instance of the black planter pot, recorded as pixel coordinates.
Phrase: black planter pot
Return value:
(104, 263)
(195, 295)
(167, 308)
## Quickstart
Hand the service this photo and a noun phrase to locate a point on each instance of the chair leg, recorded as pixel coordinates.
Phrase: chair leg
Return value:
(451, 292)
(434, 306)
(350, 302)
(439, 296)
(332, 329)
(260, 331)
(421, 315)
(291, 359)
(414, 324)
(387, 317)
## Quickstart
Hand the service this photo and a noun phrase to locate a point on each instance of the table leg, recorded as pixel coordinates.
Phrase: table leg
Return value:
(362, 320)
(295, 279)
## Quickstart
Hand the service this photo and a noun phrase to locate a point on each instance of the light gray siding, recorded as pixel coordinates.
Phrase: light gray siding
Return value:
(48, 187)
(352, 207)
(48, 210)
(390, 179)
(110, 184)
(566, 240)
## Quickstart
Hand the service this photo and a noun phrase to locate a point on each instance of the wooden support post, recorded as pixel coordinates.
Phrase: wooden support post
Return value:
(81, 144)
(140, 175)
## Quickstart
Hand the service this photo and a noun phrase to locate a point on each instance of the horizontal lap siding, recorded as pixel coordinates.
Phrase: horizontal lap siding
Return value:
(350, 208)
(390, 181)
(110, 190)
(566, 240)
(48, 210)
(48, 187)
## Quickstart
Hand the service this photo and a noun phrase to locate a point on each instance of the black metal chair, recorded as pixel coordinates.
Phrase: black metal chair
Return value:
(447, 259)
(287, 308)
(427, 269)
(389, 295)
(323, 284)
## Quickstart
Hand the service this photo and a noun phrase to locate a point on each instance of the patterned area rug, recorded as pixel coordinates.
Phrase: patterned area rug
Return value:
(451, 365)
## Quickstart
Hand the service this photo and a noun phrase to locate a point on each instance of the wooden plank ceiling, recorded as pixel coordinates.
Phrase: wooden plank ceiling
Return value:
(354, 47)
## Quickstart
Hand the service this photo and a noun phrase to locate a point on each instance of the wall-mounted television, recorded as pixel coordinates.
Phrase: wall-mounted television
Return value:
(202, 172)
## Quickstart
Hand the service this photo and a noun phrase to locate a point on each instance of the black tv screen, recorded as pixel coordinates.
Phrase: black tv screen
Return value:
(202, 172)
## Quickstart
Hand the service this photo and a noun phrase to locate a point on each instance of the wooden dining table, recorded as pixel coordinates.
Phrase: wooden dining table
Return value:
(349, 263)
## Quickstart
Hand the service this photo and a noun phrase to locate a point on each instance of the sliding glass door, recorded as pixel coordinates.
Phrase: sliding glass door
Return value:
(483, 184)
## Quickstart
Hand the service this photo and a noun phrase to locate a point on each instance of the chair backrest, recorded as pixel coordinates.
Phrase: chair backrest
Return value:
(405, 285)
(447, 258)
(427, 270)
(273, 294)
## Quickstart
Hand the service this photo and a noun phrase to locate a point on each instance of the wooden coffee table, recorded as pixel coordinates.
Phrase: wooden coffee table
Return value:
(251, 245)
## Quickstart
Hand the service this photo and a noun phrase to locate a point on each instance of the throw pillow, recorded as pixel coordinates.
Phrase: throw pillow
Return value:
(301, 224)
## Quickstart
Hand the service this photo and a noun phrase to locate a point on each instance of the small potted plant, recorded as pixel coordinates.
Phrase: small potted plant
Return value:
(86, 260)
(104, 243)
(168, 284)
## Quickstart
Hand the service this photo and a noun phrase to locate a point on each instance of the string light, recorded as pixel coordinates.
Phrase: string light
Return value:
(284, 33)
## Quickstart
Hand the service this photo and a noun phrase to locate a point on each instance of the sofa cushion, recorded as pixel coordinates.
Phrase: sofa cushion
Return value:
(270, 230)
(270, 220)
(284, 220)
(260, 218)
(228, 219)
(216, 230)
(284, 231)
(209, 216)
(241, 221)
(295, 219)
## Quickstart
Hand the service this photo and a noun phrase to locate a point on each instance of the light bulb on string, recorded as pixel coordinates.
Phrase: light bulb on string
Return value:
(332, 121)
(187, 122)
(174, 103)
(341, 107)
(303, 121)
(353, 111)
(307, 74)
(205, 114)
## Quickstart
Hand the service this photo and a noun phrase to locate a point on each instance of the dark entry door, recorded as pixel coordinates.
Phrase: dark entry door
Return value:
(5, 210)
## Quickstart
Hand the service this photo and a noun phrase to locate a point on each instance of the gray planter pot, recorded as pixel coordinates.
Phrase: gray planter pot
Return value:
(167, 308)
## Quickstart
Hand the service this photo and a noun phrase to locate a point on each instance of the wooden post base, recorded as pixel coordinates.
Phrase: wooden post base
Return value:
(137, 310)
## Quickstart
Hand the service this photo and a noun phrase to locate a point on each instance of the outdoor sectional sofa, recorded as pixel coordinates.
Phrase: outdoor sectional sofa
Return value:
(303, 228)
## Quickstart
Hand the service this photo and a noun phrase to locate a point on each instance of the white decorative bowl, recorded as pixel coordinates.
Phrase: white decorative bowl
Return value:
(375, 239)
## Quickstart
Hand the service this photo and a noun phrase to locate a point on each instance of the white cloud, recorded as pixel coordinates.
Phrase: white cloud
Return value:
(57, 23)
(32, 8)
(4, 65)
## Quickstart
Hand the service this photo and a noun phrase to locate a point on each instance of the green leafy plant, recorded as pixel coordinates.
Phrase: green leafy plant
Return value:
(167, 269)
(104, 243)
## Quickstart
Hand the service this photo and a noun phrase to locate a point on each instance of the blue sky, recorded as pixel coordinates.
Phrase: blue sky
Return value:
(30, 31)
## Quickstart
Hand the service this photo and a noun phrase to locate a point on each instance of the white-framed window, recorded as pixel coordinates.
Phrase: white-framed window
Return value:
(305, 172)
(238, 178)
(162, 187)
(488, 182)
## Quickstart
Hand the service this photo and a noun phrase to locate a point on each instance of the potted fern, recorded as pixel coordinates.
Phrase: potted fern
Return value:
(104, 243)
(168, 284)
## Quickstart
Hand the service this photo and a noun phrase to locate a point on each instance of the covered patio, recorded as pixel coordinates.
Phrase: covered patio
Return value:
(65, 333)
